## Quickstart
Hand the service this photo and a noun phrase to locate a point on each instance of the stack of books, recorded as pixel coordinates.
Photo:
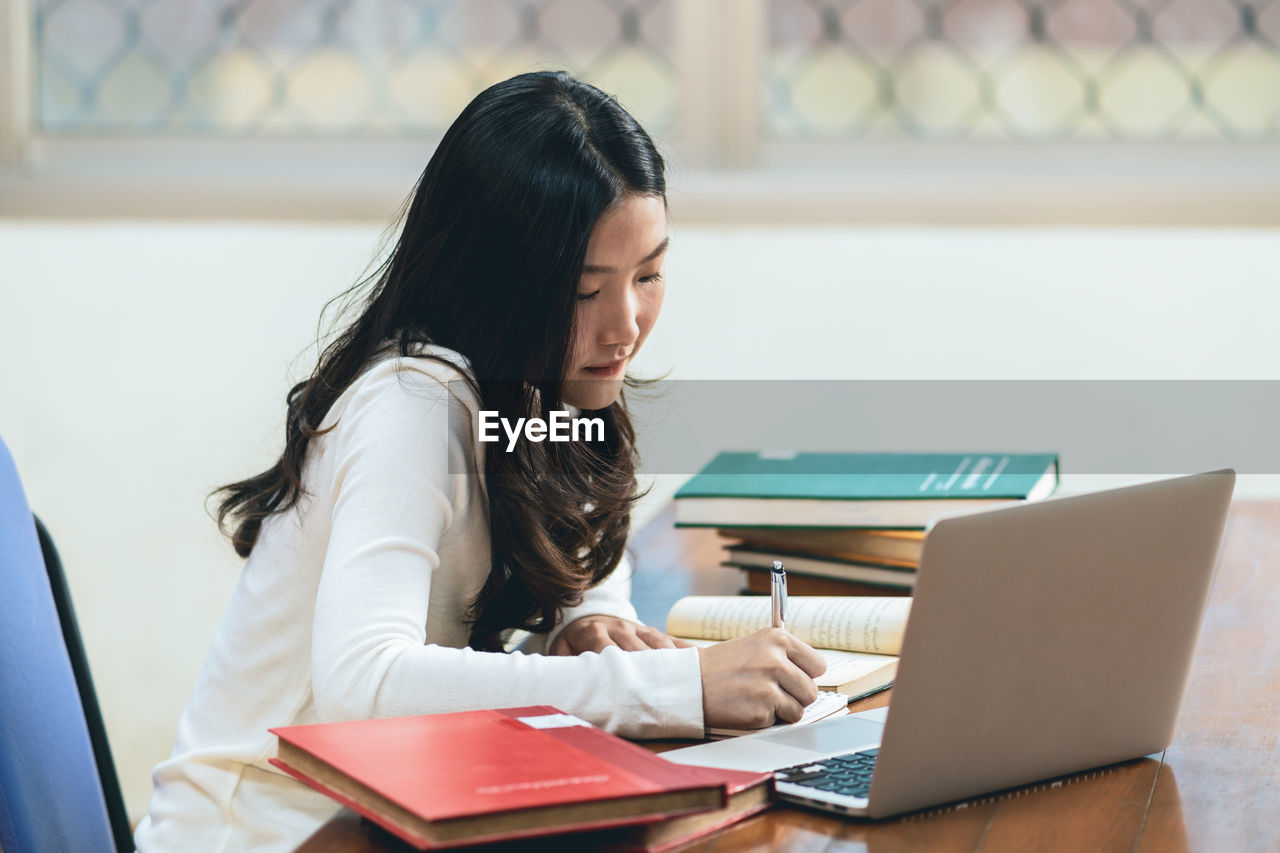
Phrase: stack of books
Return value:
(848, 523)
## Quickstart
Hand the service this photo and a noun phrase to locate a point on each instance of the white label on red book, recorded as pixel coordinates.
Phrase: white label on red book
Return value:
(553, 721)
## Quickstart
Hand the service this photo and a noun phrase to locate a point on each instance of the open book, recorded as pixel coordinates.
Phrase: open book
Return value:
(859, 636)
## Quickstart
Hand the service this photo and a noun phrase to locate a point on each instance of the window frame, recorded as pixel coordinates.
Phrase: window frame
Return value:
(723, 169)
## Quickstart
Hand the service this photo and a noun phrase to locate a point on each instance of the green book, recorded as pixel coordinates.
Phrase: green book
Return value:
(871, 490)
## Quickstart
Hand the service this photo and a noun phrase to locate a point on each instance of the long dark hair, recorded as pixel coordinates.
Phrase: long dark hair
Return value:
(487, 264)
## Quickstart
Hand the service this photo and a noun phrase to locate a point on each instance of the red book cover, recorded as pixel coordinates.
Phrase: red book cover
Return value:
(445, 778)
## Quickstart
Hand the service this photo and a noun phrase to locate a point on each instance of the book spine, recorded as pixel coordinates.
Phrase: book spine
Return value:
(752, 558)
(757, 583)
(395, 828)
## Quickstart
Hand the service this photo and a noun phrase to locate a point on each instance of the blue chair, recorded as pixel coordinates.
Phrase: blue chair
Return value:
(58, 785)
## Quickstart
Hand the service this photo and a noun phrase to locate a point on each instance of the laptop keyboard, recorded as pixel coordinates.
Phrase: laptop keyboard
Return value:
(849, 775)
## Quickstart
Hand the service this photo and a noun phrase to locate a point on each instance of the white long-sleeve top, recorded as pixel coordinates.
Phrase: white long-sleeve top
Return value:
(352, 606)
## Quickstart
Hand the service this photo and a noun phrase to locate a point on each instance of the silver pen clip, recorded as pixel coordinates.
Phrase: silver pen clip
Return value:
(778, 594)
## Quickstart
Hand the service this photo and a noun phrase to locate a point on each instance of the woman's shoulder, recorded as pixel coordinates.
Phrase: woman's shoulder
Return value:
(427, 377)
(424, 364)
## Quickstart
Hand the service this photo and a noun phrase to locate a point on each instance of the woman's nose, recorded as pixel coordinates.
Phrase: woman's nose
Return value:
(620, 324)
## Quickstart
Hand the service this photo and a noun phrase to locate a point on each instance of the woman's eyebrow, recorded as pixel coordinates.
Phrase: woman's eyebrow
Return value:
(594, 269)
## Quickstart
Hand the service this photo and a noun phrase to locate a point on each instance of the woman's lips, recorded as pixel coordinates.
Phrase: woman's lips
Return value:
(614, 369)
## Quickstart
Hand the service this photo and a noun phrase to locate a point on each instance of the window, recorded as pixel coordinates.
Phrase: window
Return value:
(825, 110)
(1128, 70)
(328, 68)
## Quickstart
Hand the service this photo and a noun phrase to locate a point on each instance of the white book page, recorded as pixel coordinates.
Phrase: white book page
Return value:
(844, 667)
(849, 623)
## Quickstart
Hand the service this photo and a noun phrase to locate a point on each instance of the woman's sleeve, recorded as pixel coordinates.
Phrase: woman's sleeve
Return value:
(397, 456)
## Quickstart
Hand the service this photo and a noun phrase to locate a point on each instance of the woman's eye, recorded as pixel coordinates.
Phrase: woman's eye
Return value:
(583, 297)
(651, 279)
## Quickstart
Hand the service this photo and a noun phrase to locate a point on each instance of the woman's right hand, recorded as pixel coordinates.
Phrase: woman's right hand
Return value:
(758, 680)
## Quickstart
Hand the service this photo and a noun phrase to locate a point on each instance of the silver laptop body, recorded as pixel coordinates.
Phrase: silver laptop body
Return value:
(1044, 639)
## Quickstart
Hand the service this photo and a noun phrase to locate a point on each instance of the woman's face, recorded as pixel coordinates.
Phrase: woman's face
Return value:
(619, 297)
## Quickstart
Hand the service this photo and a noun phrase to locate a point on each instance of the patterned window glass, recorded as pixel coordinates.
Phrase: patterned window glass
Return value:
(330, 68)
(1141, 70)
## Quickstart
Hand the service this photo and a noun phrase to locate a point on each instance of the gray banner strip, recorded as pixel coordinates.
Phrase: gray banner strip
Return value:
(1097, 427)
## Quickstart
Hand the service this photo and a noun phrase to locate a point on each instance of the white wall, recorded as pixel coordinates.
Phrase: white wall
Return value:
(142, 365)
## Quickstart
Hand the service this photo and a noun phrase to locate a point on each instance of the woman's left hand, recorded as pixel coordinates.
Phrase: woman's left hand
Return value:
(598, 632)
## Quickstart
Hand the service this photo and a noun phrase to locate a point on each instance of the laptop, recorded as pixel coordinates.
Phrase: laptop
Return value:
(1044, 639)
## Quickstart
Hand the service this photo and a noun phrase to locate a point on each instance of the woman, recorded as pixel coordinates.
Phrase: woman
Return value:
(391, 552)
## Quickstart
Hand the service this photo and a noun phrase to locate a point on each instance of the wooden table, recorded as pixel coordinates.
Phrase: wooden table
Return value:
(1216, 788)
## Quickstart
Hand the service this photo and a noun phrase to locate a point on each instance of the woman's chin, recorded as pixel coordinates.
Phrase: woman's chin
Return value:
(587, 394)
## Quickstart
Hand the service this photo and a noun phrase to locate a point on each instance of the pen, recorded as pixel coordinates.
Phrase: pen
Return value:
(778, 594)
